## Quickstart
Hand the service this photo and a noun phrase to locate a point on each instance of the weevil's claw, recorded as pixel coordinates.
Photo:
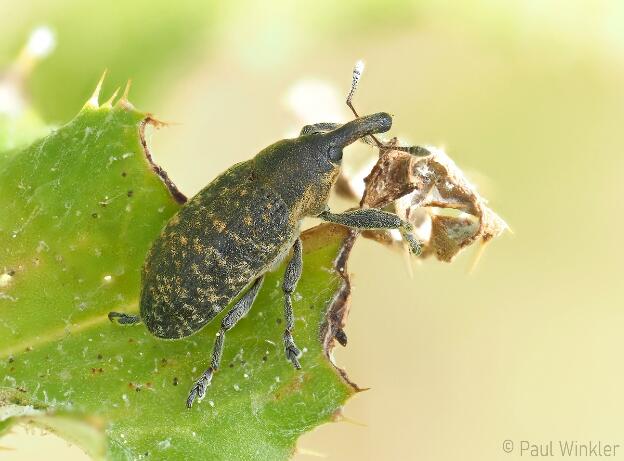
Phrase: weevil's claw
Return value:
(341, 337)
(199, 389)
(292, 351)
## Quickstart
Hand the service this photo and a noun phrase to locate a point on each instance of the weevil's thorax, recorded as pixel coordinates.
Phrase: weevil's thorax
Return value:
(300, 171)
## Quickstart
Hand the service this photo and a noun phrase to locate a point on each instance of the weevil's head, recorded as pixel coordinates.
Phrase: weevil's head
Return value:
(329, 145)
(303, 170)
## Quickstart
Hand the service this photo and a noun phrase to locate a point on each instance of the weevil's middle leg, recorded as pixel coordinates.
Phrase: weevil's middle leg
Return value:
(374, 218)
(291, 277)
(237, 312)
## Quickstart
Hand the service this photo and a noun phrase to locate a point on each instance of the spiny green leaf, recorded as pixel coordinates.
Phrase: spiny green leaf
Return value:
(80, 208)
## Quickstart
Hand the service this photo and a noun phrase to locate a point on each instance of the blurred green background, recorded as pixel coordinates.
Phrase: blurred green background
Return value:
(526, 96)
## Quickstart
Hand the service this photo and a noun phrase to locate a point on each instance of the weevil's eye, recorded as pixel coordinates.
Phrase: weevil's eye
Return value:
(335, 154)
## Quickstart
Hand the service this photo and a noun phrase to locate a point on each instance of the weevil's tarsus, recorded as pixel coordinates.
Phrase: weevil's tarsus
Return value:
(122, 318)
(199, 389)
(291, 277)
(414, 245)
(240, 309)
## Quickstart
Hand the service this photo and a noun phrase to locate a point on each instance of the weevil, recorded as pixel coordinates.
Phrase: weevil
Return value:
(223, 241)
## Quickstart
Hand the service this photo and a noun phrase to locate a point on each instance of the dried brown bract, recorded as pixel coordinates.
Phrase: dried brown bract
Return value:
(433, 194)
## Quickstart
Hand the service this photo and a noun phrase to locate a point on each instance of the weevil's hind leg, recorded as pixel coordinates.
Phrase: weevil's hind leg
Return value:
(291, 277)
(374, 218)
(124, 319)
(237, 312)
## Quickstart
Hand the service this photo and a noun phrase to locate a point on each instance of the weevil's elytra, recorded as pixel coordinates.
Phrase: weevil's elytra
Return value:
(184, 287)
(240, 226)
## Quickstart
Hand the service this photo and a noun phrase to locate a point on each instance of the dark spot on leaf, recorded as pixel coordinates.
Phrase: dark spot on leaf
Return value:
(130, 193)
(99, 356)
(11, 273)
(231, 365)
(175, 380)
(130, 340)
(29, 348)
(265, 358)
(94, 215)
(11, 359)
(278, 320)
(124, 174)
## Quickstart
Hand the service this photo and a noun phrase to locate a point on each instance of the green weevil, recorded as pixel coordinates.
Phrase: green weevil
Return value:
(223, 240)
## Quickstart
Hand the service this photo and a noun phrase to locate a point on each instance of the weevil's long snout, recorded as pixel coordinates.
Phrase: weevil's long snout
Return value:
(360, 127)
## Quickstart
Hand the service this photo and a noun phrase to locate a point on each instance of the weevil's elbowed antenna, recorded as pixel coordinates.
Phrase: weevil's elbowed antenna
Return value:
(371, 139)
(355, 81)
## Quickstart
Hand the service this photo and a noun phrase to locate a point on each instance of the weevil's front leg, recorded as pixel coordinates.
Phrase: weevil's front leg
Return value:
(374, 218)
(291, 277)
(237, 312)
